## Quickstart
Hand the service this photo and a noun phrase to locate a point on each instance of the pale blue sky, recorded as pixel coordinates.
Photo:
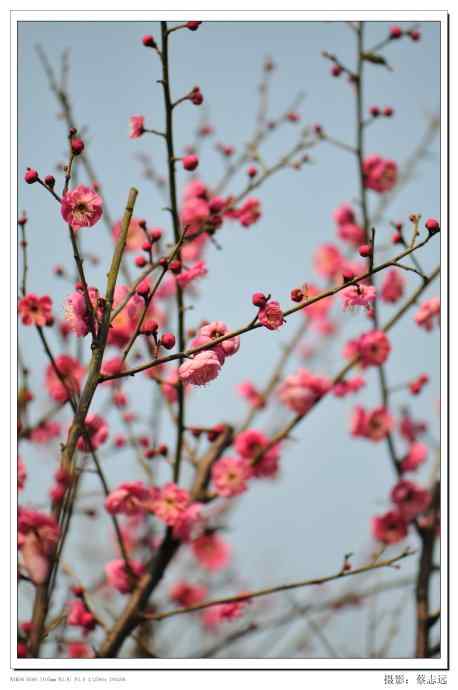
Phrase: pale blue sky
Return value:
(320, 508)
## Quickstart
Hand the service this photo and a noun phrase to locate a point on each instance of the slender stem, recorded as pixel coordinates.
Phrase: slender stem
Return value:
(280, 588)
(176, 231)
(253, 326)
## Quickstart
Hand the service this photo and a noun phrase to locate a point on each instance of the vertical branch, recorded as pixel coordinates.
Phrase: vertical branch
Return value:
(176, 231)
(41, 603)
(423, 618)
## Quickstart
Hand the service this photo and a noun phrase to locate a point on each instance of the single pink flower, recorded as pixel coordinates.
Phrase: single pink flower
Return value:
(110, 367)
(319, 310)
(271, 316)
(185, 594)
(374, 424)
(76, 314)
(327, 261)
(80, 650)
(428, 314)
(300, 391)
(34, 310)
(130, 498)
(410, 499)
(352, 233)
(81, 207)
(372, 348)
(71, 372)
(202, 368)
(169, 503)
(211, 551)
(137, 126)
(189, 523)
(390, 528)
(214, 330)
(212, 617)
(80, 616)
(38, 535)
(230, 475)
(45, 432)
(249, 445)
(21, 474)
(357, 296)
(380, 175)
(117, 576)
(251, 394)
(248, 214)
(393, 286)
(97, 431)
(415, 457)
(123, 325)
(197, 270)
(411, 429)
(343, 388)
(344, 214)
(135, 235)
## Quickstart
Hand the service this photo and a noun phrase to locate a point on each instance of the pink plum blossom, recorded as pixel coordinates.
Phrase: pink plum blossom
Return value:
(343, 388)
(97, 431)
(80, 616)
(45, 431)
(34, 310)
(428, 314)
(211, 551)
(229, 476)
(117, 575)
(130, 498)
(71, 372)
(200, 369)
(253, 443)
(135, 235)
(327, 261)
(185, 594)
(189, 523)
(169, 503)
(271, 315)
(76, 313)
(372, 348)
(415, 457)
(189, 275)
(300, 391)
(380, 175)
(247, 390)
(393, 286)
(81, 207)
(374, 424)
(390, 528)
(357, 296)
(137, 126)
(410, 499)
(37, 539)
(21, 474)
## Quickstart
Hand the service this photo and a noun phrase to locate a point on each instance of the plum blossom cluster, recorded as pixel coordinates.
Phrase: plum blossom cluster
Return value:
(76, 311)
(371, 349)
(205, 366)
(429, 314)
(409, 501)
